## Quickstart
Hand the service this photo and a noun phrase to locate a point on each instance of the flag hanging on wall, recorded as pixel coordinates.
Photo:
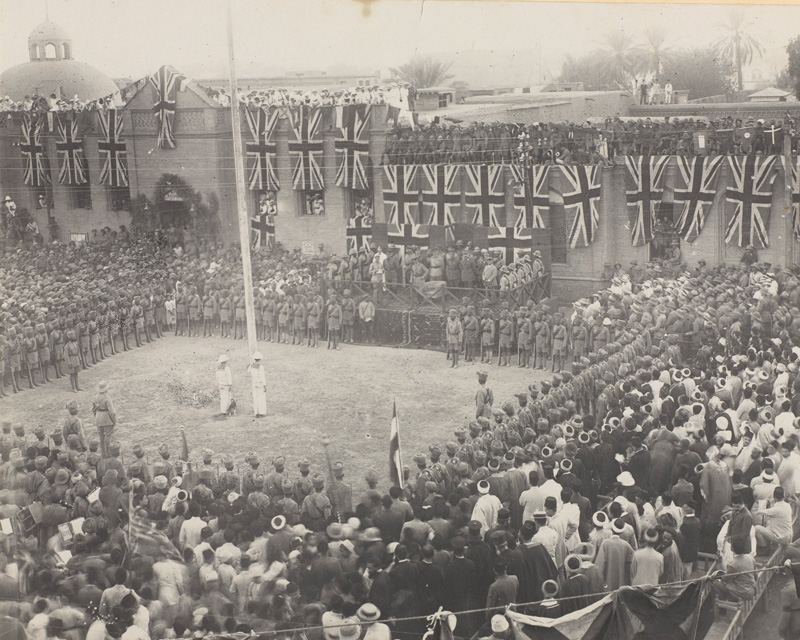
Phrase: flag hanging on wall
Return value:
(114, 171)
(485, 196)
(531, 195)
(166, 82)
(408, 235)
(69, 146)
(32, 149)
(261, 151)
(395, 457)
(352, 147)
(359, 233)
(511, 242)
(441, 193)
(749, 199)
(262, 226)
(694, 192)
(400, 193)
(644, 182)
(793, 171)
(306, 147)
(581, 197)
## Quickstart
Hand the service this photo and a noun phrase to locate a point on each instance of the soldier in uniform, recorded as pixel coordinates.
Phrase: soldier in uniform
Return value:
(340, 493)
(273, 481)
(455, 336)
(72, 355)
(257, 499)
(312, 322)
(334, 321)
(31, 356)
(487, 336)
(209, 308)
(506, 330)
(43, 351)
(299, 320)
(57, 340)
(14, 347)
(484, 398)
(541, 337)
(238, 316)
(225, 316)
(94, 337)
(580, 339)
(316, 508)
(348, 316)
(524, 337)
(560, 339)
(73, 424)
(453, 266)
(137, 320)
(471, 334)
(248, 486)
(290, 509)
(303, 486)
(284, 308)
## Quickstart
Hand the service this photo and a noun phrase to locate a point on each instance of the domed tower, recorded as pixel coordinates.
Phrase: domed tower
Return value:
(52, 70)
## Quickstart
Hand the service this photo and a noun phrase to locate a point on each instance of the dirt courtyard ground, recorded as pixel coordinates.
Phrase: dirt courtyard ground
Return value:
(345, 395)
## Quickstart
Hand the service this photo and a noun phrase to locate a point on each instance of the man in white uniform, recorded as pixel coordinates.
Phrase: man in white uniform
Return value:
(225, 384)
(258, 378)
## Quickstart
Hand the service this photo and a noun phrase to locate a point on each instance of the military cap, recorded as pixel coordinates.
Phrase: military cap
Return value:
(138, 450)
(163, 450)
(114, 448)
(304, 464)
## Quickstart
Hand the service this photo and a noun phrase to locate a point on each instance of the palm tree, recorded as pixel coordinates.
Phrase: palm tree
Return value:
(620, 59)
(422, 72)
(737, 46)
(657, 49)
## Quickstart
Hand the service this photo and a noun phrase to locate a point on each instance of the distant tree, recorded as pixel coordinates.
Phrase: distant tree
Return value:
(619, 60)
(585, 69)
(793, 70)
(421, 72)
(737, 46)
(657, 49)
(700, 71)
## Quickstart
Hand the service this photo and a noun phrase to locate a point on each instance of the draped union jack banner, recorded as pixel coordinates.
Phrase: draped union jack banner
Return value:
(32, 149)
(749, 199)
(306, 123)
(359, 233)
(531, 203)
(166, 82)
(69, 145)
(262, 226)
(485, 196)
(698, 181)
(795, 195)
(352, 148)
(400, 193)
(441, 193)
(407, 235)
(512, 242)
(644, 182)
(114, 171)
(262, 150)
(580, 198)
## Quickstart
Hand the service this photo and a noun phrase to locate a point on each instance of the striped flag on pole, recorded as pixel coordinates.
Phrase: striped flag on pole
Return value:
(395, 457)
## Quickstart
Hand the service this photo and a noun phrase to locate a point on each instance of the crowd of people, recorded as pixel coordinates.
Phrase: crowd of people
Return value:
(587, 142)
(397, 94)
(615, 472)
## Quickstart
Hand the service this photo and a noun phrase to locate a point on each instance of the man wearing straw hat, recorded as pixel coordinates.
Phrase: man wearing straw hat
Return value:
(105, 417)
(225, 384)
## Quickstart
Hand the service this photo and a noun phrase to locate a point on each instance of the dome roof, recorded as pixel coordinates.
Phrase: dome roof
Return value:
(65, 78)
(48, 31)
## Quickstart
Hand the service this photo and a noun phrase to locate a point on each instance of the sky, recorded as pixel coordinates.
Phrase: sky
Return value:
(132, 38)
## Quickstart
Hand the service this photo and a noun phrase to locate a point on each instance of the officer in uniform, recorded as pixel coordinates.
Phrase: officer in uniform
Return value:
(340, 493)
(229, 479)
(273, 482)
(316, 508)
(290, 508)
(248, 485)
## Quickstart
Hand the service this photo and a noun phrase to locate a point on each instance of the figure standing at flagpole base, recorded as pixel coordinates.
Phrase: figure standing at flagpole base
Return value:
(225, 384)
(258, 380)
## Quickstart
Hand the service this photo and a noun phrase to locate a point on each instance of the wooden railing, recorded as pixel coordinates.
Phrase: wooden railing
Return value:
(430, 297)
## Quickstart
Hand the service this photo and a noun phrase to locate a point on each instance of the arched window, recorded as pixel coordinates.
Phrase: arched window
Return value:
(34, 52)
(50, 51)
(66, 51)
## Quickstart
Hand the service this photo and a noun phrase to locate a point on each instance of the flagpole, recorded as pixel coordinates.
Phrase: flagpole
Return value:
(396, 418)
(241, 201)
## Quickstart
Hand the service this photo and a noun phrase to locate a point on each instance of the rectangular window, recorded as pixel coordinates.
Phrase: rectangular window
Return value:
(265, 202)
(80, 196)
(119, 198)
(558, 234)
(359, 205)
(311, 203)
(442, 100)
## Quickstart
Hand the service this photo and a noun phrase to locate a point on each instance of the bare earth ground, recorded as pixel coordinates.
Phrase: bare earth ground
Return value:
(345, 395)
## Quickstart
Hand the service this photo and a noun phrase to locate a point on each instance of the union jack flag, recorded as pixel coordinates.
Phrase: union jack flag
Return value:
(400, 193)
(486, 196)
(114, 171)
(262, 150)
(698, 175)
(795, 196)
(530, 204)
(262, 226)
(407, 235)
(166, 82)
(73, 162)
(441, 193)
(307, 147)
(581, 198)
(359, 233)
(750, 198)
(147, 540)
(512, 242)
(36, 173)
(353, 147)
(645, 187)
